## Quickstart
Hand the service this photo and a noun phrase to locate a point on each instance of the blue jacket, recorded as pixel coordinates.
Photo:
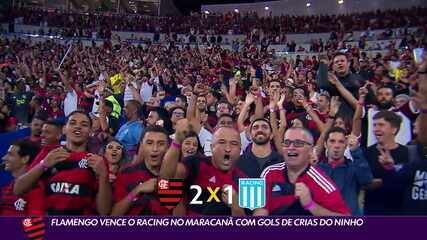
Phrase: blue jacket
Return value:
(350, 177)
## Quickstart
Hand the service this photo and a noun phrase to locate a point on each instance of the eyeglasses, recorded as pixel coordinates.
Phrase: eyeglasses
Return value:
(297, 143)
(178, 114)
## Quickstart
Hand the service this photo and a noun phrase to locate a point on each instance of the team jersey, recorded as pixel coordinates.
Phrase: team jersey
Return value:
(280, 192)
(71, 187)
(145, 204)
(201, 172)
(22, 205)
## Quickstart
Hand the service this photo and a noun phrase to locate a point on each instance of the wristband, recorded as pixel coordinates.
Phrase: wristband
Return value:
(132, 197)
(176, 145)
(43, 166)
(309, 206)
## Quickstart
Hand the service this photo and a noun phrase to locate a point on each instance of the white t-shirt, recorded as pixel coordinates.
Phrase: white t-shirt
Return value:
(128, 93)
(95, 106)
(146, 91)
(205, 138)
(70, 102)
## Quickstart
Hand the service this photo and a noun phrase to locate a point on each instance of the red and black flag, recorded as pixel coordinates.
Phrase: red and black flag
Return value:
(170, 192)
(34, 228)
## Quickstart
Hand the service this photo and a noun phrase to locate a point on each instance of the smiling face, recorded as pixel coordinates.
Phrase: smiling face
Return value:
(78, 128)
(297, 148)
(261, 132)
(189, 146)
(12, 160)
(383, 130)
(51, 134)
(225, 148)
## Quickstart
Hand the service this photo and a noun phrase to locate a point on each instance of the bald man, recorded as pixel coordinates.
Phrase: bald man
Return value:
(297, 188)
(217, 172)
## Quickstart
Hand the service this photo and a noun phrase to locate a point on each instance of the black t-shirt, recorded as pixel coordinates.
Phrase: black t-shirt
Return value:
(385, 200)
(412, 182)
(253, 166)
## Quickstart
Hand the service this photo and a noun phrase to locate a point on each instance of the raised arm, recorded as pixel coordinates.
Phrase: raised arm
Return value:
(170, 164)
(342, 90)
(193, 114)
(421, 100)
(250, 98)
(357, 118)
(333, 110)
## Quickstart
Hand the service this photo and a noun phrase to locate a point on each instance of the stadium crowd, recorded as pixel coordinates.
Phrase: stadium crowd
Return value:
(274, 28)
(335, 134)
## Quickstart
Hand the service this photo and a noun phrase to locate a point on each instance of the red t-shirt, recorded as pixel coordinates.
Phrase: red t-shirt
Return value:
(22, 205)
(71, 187)
(145, 204)
(280, 192)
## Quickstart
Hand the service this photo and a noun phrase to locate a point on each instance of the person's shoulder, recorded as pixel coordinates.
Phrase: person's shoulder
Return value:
(278, 167)
(319, 178)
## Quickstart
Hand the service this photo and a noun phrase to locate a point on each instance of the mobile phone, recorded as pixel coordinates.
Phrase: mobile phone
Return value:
(418, 55)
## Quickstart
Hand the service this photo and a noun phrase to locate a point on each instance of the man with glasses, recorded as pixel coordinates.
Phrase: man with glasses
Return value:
(297, 188)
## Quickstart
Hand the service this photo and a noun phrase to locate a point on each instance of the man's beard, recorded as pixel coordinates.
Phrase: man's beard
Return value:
(385, 105)
(262, 141)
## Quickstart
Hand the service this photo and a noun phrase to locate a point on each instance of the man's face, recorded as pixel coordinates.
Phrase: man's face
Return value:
(239, 107)
(152, 118)
(225, 148)
(77, 129)
(383, 130)
(153, 148)
(177, 114)
(323, 103)
(36, 127)
(180, 102)
(379, 71)
(297, 156)
(400, 101)
(336, 145)
(201, 103)
(339, 122)
(261, 133)
(130, 111)
(341, 65)
(12, 160)
(50, 134)
(225, 121)
(298, 95)
(210, 99)
(222, 108)
(274, 87)
(385, 97)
